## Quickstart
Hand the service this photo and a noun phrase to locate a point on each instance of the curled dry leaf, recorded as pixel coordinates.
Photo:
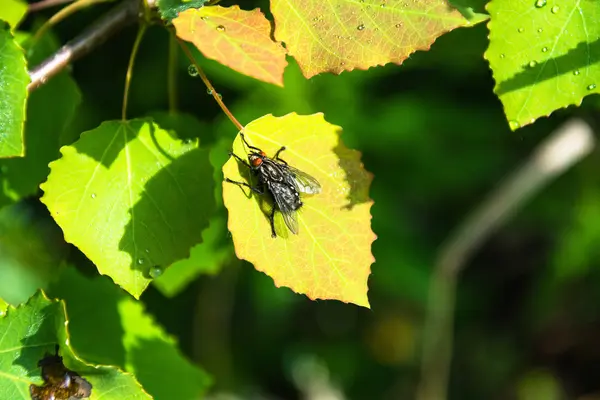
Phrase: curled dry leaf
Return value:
(236, 38)
(341, 35)
(330, 258)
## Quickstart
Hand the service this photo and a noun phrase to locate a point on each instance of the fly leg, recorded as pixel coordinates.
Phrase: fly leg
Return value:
(276, 157)
(240, 159)
(247, 144)
(253, 188)
(272, 221)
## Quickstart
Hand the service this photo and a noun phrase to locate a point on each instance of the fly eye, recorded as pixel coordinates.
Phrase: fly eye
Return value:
(257, 161)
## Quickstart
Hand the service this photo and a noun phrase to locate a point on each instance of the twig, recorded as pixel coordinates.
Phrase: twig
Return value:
(40, 5)
(117, 18)
(564, 148)
(134, 51)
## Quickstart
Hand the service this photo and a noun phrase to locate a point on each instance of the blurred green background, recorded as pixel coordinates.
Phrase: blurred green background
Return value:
(434, 135)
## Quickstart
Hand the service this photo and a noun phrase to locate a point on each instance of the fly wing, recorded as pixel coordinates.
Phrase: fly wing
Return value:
(286, 200)
(303, 182)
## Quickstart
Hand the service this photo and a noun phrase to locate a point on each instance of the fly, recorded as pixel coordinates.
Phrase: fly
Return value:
(284, 183)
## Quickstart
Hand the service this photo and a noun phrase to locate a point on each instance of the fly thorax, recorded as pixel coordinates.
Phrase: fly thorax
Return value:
(272, 172)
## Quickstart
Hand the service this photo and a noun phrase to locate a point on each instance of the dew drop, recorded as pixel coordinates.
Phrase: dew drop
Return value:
(93, 195)
(140, 261)
(398, 25)
(521, 30)
(360, 27)
(540, 30)
(155, 272)
(544, 49)
(209, 92)
(316, 19)
(514, 125)
(591, 86)
(532, 64)
(192, 70)
(204, 18)
(576, 72)
(555, 9)
(502, 56)
(219, 95)
(221, 28)
(147, 251)
(382, 5)
(540, 3)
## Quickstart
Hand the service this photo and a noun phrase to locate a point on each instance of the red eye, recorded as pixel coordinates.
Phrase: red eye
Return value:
(257, 161)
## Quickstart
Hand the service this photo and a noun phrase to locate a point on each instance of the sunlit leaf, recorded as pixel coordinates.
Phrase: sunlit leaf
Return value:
(13, 94)
(340, 35)
(3, 307)
(544, 55)
(132, 198)
(109, 327)
(47, 119)
(330, 258)
(29, 333)
(31, 250)
(236, 38)
(13, 11)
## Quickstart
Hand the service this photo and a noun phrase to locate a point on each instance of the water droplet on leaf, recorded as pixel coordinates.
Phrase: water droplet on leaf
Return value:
(93, 195)
(398, 25)
(521, 30)
(155, 272)
(544, 49)
(532, 64)
(360, 27)
(140, 261)
(513, 125)
(555, 9)
(221, 28)
(540, 3)
(540, 30)
(502, 56)
(192, 70)
(591, 86)
(576, 72)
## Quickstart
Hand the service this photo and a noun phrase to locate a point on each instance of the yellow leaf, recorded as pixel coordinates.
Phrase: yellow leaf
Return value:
(341, 35)
(330, 258)
(236, 38)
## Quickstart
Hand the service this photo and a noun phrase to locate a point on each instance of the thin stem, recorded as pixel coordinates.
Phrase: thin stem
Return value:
(172, 74)
(210, 87)
(64, 13)
(134, 51)
(120, 16)
(565, 147)
(40, 5)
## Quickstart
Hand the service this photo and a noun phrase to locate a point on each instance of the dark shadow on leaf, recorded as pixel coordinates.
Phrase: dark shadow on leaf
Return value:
(174, 209)
(357, 177)
(41, 340)
(159, 369)
(95, 325)
(582, 56)
(105, 148)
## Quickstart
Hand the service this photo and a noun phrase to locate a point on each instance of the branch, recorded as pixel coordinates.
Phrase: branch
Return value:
(117, 18)
(569, 144)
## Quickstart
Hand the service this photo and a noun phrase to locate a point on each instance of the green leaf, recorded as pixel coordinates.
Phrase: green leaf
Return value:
(47, 119)
(110, 327)
(3, 307)
(31, 332)
(169, 9)
(544, 55)
(215, 249)
(31, 250)
(13, 11)
(13, 96)
(132, 198)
